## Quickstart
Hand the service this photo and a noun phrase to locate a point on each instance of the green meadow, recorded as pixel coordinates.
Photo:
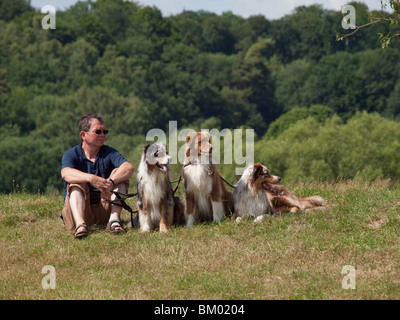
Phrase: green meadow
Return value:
(286, 257)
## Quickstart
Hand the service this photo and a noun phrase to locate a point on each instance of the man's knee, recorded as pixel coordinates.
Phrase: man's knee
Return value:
(75, 201)
(78, 196)
(78, 189)
(121, 188)
(76, 192)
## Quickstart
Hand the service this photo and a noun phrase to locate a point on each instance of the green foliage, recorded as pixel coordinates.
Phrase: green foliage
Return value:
(393, 103)
(217, 35)
(141, 70)
(366, 146)
(384, 25)
(318, 112)
(343, 81)
(30, 164)
(9, 9)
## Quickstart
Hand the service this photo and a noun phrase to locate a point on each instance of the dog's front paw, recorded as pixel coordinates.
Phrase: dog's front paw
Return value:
(145, 228)
(259, 218)
(163, 228)
(189, 221)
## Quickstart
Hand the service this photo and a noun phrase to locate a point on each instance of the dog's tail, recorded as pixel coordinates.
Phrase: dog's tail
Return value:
(179, 212)
(314, 201)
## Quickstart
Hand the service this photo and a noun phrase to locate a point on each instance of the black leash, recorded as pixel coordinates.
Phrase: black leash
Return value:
(177, 185)
(233, 187)
(121, 202)
(180, 179)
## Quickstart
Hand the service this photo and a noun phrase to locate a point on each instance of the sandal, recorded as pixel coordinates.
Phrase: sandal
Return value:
(82, 234)
(112, 227)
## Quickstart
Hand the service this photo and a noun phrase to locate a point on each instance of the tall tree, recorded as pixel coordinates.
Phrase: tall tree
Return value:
(9, 9)
(254, 76)
(391, 20)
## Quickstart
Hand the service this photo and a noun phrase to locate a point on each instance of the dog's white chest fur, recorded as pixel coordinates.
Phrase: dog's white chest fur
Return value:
(153, 192)
(199, 183)
(153, 189)
(198, 179)
(249, 201)
(252, 204)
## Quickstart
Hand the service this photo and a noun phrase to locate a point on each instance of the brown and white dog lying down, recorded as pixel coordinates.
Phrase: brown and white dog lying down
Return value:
(284, 200)
(207, 198)
(157, 205)
(258, 193)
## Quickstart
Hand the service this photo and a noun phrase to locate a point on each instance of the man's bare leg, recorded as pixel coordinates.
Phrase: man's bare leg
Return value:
(115, 209)
(77, 204)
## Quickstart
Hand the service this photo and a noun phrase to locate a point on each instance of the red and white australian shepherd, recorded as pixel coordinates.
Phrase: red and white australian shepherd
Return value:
(207, 198)
(157, 205)
(258, 193)
(284, 200)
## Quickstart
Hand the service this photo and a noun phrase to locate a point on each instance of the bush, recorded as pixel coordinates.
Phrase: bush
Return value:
(367, 146)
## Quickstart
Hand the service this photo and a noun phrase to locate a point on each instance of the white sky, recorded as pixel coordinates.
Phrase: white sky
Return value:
(271, 9)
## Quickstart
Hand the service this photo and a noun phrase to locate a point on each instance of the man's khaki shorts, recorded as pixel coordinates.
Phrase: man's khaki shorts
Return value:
(94, 214)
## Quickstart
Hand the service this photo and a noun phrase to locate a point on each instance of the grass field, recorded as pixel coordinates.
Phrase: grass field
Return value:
(288, 257)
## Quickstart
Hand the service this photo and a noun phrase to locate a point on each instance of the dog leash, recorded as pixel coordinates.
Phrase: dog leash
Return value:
(233, 187)
(180, 179)
(121, 202)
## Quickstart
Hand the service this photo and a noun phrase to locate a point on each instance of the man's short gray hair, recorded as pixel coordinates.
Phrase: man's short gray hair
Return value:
(86, 121)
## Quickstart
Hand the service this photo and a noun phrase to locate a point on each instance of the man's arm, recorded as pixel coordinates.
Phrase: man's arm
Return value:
(72, 176)
(123, 173)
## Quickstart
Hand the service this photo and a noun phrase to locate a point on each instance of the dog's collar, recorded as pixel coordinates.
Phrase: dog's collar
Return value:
(207, 166)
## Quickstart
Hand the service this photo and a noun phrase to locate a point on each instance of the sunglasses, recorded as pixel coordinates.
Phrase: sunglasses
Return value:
(100, 131)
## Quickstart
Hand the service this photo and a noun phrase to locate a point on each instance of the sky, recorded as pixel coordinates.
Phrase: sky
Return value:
(271, 9)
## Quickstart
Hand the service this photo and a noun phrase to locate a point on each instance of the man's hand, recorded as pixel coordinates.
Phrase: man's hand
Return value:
(105, 186)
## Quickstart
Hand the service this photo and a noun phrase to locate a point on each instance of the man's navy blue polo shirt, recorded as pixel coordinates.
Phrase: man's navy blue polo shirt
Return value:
(106, 161)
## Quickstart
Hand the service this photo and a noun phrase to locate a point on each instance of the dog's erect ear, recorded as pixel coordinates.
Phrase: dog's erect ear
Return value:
(150, 153)
(258, 168)
(146, 148)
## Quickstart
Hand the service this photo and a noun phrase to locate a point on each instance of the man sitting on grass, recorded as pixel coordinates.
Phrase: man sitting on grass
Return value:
(92, 171)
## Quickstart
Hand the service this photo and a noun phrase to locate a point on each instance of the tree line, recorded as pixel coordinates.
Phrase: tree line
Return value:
(140, 70)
